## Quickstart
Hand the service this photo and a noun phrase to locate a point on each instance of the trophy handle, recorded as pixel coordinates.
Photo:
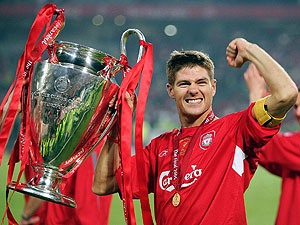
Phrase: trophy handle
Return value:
(124, 37)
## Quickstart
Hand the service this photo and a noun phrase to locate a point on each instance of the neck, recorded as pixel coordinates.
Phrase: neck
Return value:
(195, 122)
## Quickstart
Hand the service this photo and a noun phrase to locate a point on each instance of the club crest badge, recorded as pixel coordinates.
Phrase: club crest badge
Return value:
(206, 139)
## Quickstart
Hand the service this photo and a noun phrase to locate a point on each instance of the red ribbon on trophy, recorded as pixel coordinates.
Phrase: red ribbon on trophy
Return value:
(33, 52)
(141, 105)
(143, 69)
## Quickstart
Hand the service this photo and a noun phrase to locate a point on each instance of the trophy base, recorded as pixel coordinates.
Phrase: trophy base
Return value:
(51, 196)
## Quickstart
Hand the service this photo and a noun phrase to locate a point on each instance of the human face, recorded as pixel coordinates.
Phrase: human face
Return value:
(193, 92)
(297, 108)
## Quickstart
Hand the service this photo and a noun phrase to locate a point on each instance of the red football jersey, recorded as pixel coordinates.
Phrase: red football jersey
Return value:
(219, 170)
(281, 156)
(91, 209)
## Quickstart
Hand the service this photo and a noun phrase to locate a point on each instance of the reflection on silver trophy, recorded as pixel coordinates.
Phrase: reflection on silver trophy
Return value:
(69, 114)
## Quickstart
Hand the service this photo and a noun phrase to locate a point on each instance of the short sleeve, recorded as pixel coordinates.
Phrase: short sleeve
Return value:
(255, 135)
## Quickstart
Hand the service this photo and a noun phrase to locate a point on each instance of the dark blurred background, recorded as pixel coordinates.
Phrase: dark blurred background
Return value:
(202, 25)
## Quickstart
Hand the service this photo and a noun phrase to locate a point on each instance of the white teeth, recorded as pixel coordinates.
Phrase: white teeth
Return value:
(194, 100)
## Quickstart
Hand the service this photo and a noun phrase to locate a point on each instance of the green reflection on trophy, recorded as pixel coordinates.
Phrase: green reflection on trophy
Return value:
(69, 113)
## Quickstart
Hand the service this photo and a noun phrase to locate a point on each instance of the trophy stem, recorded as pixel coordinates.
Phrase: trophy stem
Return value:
(45, 185)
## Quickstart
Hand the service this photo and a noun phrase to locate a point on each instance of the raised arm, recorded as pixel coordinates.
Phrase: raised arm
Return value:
(256, 84)
(105, 182)
(282, 89)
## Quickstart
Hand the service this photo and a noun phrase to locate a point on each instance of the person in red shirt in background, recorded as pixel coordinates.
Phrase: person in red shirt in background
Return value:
(199, 173)
(281, 156)
(91, 209)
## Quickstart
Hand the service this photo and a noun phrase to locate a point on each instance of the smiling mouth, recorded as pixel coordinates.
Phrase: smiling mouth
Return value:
(194, 101)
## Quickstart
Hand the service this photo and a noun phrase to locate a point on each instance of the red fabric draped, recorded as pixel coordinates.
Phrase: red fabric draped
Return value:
(33, 52)
(142, 72)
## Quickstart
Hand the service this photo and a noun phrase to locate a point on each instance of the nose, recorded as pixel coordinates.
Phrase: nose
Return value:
(193, 89)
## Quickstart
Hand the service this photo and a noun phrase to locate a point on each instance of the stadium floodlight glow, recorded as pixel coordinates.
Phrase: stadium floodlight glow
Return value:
(170, 30)
(120, 20)
(98, 20)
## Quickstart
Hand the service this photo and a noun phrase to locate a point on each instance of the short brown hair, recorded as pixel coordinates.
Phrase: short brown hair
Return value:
(182, 59)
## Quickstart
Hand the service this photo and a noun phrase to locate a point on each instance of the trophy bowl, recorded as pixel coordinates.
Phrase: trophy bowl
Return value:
(69, 113)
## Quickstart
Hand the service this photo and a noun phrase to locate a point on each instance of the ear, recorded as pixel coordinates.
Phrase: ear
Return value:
(214, 86)
(170, 90)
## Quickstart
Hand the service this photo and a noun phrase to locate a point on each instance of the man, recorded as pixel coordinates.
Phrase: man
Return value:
(198, 174)
(281, 156)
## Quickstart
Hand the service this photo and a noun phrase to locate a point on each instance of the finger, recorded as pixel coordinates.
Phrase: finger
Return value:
(26, 81)
(232, 45)
(246, 76)
(230, 61)
(133, 97)
(231, 55)
(127, 96)
(112, 101)
(128, 99)
(231, 50)
(33, 220)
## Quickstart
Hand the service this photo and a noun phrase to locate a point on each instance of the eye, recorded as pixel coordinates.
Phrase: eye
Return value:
(183, 84)
(202, 82)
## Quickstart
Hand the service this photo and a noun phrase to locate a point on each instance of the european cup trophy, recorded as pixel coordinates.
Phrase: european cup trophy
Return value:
(69, 113)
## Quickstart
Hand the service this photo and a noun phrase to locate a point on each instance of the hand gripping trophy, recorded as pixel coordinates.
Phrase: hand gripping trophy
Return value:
(67, 111)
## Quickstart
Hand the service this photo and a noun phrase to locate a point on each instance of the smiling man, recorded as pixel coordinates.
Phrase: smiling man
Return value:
(193, 89)
(199, 173)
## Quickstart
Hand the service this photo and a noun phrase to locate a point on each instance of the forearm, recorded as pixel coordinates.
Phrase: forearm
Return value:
(108, 162)
(5, 111)
(32, 206)
(283, 89)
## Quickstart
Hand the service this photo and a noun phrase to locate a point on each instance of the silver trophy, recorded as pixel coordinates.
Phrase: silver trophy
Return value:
(69, 114)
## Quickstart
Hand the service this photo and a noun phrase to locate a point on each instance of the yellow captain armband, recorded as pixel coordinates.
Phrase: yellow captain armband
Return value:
(262, 115)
